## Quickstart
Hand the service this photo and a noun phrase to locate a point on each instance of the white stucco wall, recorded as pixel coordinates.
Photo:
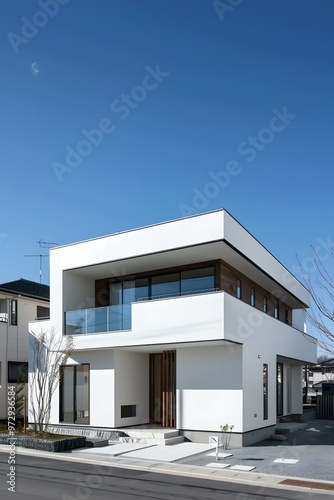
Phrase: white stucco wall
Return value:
(131, 386)
(264, 338)
(209, 388)
(299, 319)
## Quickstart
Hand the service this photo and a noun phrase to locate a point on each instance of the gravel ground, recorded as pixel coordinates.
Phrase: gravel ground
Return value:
(314, 450)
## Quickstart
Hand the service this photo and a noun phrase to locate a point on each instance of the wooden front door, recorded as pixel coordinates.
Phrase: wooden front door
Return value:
(163, 388)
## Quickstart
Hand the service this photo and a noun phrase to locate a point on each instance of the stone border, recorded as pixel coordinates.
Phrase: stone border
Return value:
(53, 445)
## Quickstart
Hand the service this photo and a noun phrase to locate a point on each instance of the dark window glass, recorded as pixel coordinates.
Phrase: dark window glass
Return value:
(286, 316)
(252, 297)
(265, 391)
(74, 394)
(116, 294)
(128, 411)
(135, 290)
(277, 309)
(173, 284)
(197, 280)
(17, 372)
(239, 289)
(166, 285)
(43, 312)
(128, 291)
(13, 312)
(265, 304)
(279, 389)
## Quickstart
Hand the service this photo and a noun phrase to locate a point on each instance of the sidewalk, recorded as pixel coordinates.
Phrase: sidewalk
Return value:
(214, 473)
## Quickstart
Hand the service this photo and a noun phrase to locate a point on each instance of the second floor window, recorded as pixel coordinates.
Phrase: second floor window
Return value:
(252, 297)
(265, 304)
(287, 317)
(13, 312)
(276, 308)
(239, 289)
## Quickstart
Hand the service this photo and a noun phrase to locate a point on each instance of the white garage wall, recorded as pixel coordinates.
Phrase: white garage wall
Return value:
(209, 388)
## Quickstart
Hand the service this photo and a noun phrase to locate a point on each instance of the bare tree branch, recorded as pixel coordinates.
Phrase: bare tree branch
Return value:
(49, 351)
(321, 288)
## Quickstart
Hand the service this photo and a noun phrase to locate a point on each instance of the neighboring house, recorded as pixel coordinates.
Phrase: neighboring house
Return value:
(21, 301)
(187, 324)
(318, 376)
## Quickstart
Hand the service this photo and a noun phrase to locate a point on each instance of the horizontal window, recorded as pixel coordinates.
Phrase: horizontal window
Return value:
(43, 312)
(165, 285)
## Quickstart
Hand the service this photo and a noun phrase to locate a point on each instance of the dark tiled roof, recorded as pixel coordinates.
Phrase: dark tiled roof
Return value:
(328, 362)
(27, 288)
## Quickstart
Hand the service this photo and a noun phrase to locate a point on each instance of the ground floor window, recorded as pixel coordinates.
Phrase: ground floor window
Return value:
(17, 372)
(74, 394)
(265, 391)
(279, 390)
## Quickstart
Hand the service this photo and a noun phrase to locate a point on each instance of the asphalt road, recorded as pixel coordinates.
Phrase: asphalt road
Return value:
(42, 478)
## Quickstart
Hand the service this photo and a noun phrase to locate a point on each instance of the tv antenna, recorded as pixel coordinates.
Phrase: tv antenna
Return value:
(47, 244)
(42, 244)
(41, 256)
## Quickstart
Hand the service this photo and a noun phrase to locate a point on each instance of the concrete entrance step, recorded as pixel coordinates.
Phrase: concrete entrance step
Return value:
(163, 437)
(288, 427)
(95, 443)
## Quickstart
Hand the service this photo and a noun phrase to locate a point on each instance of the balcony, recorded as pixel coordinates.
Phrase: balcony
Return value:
(98, 320)
(112, 318)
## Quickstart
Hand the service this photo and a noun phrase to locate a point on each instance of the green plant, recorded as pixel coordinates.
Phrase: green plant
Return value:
(226, 430)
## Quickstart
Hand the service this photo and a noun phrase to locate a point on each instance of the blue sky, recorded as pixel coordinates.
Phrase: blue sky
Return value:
(183, 94)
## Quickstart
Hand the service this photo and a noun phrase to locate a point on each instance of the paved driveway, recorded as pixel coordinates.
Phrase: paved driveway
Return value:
(312, 449)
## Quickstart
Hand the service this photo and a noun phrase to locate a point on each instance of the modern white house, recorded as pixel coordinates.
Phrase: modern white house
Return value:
(188, 324)
(21, 301)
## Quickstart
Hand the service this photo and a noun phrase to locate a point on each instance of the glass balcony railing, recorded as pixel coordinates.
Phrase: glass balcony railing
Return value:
(113, 318)
(98, 320)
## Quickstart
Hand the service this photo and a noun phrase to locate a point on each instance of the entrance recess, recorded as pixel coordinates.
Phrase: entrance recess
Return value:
(163, 388)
